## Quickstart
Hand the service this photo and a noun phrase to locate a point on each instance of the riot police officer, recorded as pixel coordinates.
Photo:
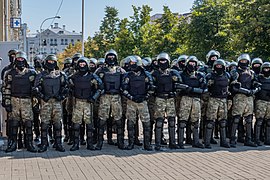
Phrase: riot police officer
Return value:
(136, 84)
(111, 75)
(18, 83)
(190, 105)
(165, 80)
(256, 64)
(218, 84)
(51, 88)
(86, 88)
(182, 61)
(244, 87)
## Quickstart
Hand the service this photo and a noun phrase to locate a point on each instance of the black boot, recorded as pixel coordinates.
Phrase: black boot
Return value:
(267, 135)
(29, 136)
(158, 133)
(70, 130)
(109, 132)
(258, 126)
(36, 127)
(131, 133)
(100, 134)
(241, 131)
(137, 133)
(13, 132)
(89, 133)
(209, 125)
(152, 125)
(234, 126)
(20, 135)
(120, 135)
(181, 128)
(172, 144)
(82, 133)
(76, 134)
(44, 138)
(248, 139)
(57, 127)
(195, 129)
(216, 130)
(146, 136)
(188, 134)
(201, 127)
(65, 124)
(223, 142)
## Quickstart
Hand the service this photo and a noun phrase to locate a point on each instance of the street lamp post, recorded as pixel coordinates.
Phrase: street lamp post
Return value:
(58, 17)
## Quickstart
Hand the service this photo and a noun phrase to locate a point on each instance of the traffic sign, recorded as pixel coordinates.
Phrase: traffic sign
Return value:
(15, 22)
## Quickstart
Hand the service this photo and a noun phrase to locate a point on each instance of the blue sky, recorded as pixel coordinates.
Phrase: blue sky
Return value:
(35, 11)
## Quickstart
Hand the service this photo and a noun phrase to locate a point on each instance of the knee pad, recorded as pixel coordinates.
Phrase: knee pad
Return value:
(195, 124)
(209, 124)
(171, 121)
(236, 119)
(159, 122)
(248, 119)
(223, 123)
(182, 124)
(259, 121)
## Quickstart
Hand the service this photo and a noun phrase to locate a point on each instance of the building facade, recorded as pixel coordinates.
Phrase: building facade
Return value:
(51, 41)
(10, 9)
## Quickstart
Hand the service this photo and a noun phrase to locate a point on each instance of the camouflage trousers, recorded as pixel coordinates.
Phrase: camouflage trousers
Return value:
(140, 109)
(204, 102)
(217, 109)
(124, 105)
(21, 109)
(51, 111)
(190, 109)
(262, 109)
(177, 104)
(242, 105)
(163, 106)
(110, 102)
(83, 111)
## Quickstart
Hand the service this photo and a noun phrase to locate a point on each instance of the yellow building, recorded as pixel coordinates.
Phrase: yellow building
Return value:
(10, 9)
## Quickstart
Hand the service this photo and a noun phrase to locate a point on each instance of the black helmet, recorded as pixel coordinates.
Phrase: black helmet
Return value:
(20, 60)
(219, 66)
(11, 55)
(210, 54)
(100, 62)
(264, 71)
(85, 68)
(75, 58)
(163, 60)
(38, 61)
(243, 65)
(256, 65)
(189, 66)
(50, 62)
(68, 60)
(111, 57)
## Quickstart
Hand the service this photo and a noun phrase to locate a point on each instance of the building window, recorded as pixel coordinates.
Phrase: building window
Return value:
(51, 42)
(72, 41)
(78, 40)
(66, 42)
(55, 42)
(51, 50)
(62, 41)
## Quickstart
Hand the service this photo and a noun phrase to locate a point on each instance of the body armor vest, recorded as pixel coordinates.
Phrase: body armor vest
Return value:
(245, 78)
(51, 86)
(264, 93)
(82, 86)
(220, 87)
(112, 82)
(137, 85)
(20, 85)
(164, 84)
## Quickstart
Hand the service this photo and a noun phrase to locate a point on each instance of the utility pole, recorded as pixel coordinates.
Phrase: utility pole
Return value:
(82, 27)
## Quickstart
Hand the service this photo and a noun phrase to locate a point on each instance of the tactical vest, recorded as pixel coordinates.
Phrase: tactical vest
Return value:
(51, 86)
(82, 86)
(20, 85)
(137, 85)
(245, 78)
(264, 93)
(112, 82)
(191, 81)
(220, 87)
(164, 84)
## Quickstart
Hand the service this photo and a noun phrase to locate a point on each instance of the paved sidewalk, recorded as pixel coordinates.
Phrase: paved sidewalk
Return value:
(112, 163)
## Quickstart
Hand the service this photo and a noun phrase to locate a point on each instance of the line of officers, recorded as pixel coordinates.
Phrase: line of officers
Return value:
(90, 96)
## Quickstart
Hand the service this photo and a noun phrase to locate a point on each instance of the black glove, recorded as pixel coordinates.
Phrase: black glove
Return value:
(59, 98)
(8, 108)
(91, 100)
(46, 98)
(189, 89)
(237, 85)
(139, 99)
(3, 103)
